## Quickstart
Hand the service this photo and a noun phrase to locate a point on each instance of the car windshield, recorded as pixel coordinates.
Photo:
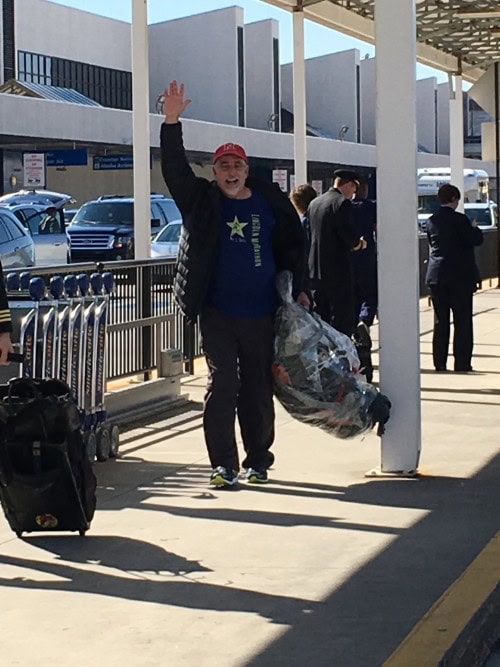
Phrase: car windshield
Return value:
(169, 234)
(481, 215)
(427, 204)
(169, 209)
(106, 213)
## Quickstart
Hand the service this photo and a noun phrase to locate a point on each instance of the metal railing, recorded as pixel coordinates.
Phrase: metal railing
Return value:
(143, 317)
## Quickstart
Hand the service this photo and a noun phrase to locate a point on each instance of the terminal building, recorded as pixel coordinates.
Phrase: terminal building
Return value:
(66, 91)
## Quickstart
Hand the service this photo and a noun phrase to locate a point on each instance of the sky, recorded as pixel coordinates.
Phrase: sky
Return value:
(319, 40)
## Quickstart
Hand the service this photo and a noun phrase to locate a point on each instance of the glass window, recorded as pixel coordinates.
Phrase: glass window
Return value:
(85, 77)
(21, 64)
(481, 215)
(32, 219)
(170, 210)
(428, 204)
(66, 82)
(12, 227)
(4, 235)
(48, 71)
(72, 75)
(107, 88)
(106, 213)
(169, 234)
(157, 213)
(16, 229)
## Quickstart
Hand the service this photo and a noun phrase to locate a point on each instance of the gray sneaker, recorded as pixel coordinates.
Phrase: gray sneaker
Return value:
(254, 476)
(222, 476)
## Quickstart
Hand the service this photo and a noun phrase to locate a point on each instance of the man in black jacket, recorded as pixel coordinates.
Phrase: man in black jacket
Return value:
(237, 233)
(452, 276)
(333, 239)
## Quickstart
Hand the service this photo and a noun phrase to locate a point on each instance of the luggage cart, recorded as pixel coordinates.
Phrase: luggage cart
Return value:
(62, 336)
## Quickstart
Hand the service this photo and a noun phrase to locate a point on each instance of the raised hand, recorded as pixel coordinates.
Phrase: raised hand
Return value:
(174, 103)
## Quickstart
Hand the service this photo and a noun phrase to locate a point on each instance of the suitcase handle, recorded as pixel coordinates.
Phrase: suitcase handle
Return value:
(26, 384)
(16, 357)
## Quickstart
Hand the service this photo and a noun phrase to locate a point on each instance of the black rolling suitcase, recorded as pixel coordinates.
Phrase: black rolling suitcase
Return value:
(46, 481)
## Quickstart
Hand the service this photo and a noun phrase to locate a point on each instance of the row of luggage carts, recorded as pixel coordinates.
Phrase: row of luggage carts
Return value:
(61, 329)
(53, 422)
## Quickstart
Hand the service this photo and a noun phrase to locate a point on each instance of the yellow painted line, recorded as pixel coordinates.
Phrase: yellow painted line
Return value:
(439, 628)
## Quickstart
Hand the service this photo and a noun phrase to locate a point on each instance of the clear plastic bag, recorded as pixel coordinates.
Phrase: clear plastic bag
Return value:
(316, 372)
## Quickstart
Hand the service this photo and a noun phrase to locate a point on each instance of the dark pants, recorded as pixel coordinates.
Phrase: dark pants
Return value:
(458, 300)
(337, 310)
(239, 353)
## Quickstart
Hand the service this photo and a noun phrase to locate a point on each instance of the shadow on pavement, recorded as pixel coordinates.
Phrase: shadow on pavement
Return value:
(362, 622)
(365, 619)
(358, 625)
(186, 593)
(122, 553)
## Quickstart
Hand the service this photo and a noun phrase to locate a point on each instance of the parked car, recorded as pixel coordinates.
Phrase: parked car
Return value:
(17, 249)
(166, 243)
(486, 214)
(103, 229)
(42, 197)
(46, 226)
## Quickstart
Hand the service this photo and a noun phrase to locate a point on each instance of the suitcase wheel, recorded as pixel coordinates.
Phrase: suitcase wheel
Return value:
(114, 440)
(103, 443)
(90, 445)
(19, 533)
(82, 533)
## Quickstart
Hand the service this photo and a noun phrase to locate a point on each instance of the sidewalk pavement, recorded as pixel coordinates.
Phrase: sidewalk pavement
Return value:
(322, 567)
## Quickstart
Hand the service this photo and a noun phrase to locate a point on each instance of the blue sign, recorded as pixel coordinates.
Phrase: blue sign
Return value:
(113, 162)
(67, 158)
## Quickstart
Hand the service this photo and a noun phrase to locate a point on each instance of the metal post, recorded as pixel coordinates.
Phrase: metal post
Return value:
(497, 154)
(398, 265)
(141, 138)
(299, 96)
(457, 136)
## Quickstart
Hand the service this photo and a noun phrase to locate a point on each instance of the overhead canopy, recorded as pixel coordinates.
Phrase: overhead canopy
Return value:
(28, 89)
(452, 35)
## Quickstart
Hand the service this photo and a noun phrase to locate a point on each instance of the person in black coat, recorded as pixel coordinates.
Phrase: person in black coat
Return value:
(237, 233)
(333, 239)
(451, 277)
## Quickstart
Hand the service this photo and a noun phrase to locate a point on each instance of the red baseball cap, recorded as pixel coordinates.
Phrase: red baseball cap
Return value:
(230, 149)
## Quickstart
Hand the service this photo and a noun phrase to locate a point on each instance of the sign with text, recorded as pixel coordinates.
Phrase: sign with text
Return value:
(107, 162)
(34, 170)
(67, 158)
(280, 176)
(102, 162)
(318, 186)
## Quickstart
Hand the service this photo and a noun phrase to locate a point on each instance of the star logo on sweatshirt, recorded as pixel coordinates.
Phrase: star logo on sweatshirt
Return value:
(237, 227)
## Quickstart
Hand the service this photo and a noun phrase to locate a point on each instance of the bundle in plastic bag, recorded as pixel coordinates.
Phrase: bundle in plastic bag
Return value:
(316, 372)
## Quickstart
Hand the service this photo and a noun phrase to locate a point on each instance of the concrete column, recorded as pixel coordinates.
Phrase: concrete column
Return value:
(457, 135)
(398, 266)
(299, 97)
(141, 138)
